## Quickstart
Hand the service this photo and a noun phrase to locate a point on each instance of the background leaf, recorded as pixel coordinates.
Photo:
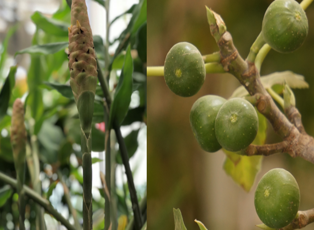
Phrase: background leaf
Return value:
(6, 91)
(49, 48)
(131, 145)
(122, 96)
(49, 25)
(63, 89)
(5, 194)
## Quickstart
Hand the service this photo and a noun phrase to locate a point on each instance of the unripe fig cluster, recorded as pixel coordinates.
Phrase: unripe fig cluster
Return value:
(218, 123)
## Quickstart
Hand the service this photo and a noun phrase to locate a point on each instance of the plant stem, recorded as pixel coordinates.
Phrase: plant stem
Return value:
(155, 71)
(39, 200)
(68, 200)
(143, 206)
(261, 56)
(214, 57)
(40, 221)
(276, 97)
(214, 67)
(305, 4)
(87, 181)
(125, 160)
(255, 48)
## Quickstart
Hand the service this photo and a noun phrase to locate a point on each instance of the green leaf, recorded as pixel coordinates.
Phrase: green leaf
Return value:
(243, 169)
(49, 25)
(5, 43)
(178, 220)
(5, 194)
(131, 145)
(96, 160)
(129, 11)
(141, 17)
(63, 89)
(35, 101)
(65, 152)
(40, 121)
(134, 115)
(293, 80)
(50, 138)
(99, 46)
(141, 43)
(122, 96)
(98, 140)
(45, 49)
(51, 188)
(6, 149)
(118, 62)
(200, 225)
(6, 91)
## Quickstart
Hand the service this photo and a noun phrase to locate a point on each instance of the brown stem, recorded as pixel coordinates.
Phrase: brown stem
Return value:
(294, 117)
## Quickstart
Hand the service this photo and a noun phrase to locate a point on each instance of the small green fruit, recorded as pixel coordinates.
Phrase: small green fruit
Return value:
(202, 119)
(285, 26)
(184, 69)
(236, 124)
(277, 198)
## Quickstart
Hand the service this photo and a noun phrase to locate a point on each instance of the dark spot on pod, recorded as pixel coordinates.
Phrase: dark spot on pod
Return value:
(93, 47)
(81, 30)
(83, 42)
(78, 33)
(83, 70)
(76, 60)
(87, 51)
(71, 69)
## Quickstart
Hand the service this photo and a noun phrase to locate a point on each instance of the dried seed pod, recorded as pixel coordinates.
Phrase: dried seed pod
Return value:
(18, 134)
(82, 63)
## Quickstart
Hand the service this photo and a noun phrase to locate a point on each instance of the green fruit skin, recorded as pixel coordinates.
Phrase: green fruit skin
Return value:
(202, 119)
(277, 198)
(184, 69)
(285, 26)
(236, 124)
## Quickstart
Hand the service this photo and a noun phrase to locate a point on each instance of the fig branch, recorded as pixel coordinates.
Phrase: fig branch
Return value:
(295, 142)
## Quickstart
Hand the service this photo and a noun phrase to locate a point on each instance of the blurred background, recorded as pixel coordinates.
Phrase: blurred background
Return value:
(182, 175)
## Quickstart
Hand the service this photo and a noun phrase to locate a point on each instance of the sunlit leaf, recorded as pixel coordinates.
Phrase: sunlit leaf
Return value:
(292, 79)
(5, 194)
(96, 160)
(49, 25)
(51, 188)
(49, 48)
(178, 220)
(3, 50)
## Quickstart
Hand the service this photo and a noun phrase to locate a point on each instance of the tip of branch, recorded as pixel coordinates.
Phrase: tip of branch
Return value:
(215, 19)
(288, 96)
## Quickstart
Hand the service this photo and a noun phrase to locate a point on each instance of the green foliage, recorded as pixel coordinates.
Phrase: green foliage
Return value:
(122, 96)
(178, 220)
(5, 194)
(5, 92)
